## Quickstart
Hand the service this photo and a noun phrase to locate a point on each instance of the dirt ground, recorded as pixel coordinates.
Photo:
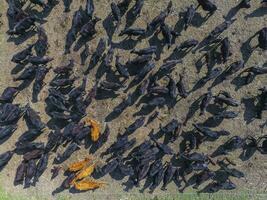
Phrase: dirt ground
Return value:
(249, 21)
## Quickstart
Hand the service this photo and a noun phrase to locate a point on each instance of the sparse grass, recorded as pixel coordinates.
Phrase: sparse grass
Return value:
(5, 196)
(63, 198)
(217, 196)
(186, 196)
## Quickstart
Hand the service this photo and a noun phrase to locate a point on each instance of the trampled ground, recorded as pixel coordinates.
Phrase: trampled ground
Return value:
(249, 21)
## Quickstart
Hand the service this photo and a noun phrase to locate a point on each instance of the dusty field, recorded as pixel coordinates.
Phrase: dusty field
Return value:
(58, 23)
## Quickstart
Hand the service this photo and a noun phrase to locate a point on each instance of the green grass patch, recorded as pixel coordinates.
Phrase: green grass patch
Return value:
(186, 196)
(5, 196)
(216, 196)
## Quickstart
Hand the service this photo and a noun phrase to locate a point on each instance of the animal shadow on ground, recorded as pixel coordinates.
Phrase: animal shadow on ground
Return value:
(18, 68)
(259, 12)
(176, 55)
(155, 41)
(198, 20)
(122, 106)
(239, 81)
(22, 38)
(130, 18)
(179, 25)
(54, 123)
(199, 84)
(126, 44)
(147, 184)
(247, 153)
(109, 26)
(246, 50)
(213, 109)
(220, 177)
(232, 12)
(192, 110)
(144, 110)
(114, 114)
(219, 79)
(129, 184)
(25, 84)
(250, 111)
(3, 140)
(106, 94)
(188, 136)
(35, 93)
(81, 42)
(58, 190)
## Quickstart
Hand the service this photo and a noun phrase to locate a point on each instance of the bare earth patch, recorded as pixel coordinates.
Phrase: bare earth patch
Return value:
(58, 23)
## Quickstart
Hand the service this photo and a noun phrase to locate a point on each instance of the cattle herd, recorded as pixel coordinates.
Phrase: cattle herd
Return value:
(67, 103)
